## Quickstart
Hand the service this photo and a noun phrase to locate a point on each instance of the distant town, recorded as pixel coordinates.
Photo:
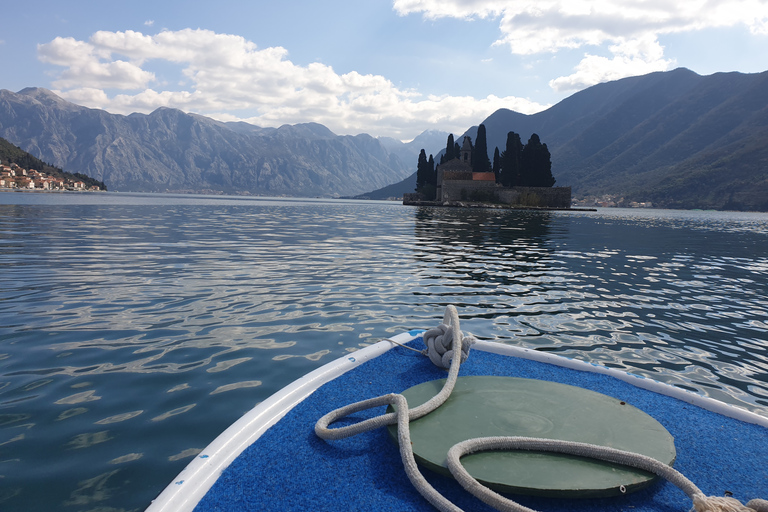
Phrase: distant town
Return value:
(609, 201)
(16, 177)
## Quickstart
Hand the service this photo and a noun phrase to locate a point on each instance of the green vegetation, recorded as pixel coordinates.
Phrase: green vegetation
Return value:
(451, 150)
(509, 173)
(426, 177)
(536, 164)
(10, 154)
(480, 162)
(527, 165)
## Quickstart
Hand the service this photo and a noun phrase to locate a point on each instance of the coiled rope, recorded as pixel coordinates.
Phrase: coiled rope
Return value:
(443, 343)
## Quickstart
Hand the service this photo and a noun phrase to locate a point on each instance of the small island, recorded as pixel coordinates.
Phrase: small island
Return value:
(518, 177)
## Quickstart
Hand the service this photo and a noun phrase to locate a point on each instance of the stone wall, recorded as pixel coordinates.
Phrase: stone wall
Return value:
(550, 197)
(467, 190)
(488, 191)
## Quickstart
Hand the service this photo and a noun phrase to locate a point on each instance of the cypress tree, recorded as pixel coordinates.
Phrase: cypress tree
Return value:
(510, 161)
(496, 163)
(422, 173)
(432, 172)
(545, 174)
(536, 164)
(480, 162)
(450, 153)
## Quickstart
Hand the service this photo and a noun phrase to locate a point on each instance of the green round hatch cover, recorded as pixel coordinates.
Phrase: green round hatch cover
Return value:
(505, 406)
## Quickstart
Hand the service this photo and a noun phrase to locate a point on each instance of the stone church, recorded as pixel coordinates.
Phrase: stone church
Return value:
(456, 181)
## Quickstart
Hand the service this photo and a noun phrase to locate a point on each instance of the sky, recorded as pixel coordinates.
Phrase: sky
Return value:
(391, 68)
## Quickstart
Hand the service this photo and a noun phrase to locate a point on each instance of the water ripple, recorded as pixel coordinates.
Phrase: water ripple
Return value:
(140, 313)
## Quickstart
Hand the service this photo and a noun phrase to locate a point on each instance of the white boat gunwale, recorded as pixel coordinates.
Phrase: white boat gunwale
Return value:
(194, 481)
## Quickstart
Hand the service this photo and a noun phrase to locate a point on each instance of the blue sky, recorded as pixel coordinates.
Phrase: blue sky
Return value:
(385, 67)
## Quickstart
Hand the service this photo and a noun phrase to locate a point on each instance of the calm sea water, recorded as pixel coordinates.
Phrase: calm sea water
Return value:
(135, 328)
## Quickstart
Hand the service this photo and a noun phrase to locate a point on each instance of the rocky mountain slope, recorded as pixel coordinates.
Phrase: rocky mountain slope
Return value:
(169, 150)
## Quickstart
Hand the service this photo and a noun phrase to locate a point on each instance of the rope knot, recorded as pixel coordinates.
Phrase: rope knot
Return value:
(703, 503)
(439, 342)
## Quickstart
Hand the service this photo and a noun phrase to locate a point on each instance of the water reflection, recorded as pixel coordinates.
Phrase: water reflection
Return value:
(487, 261)
(482, 227)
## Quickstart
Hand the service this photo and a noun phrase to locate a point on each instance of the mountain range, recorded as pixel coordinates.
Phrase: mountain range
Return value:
(675, 138)
(172, 151)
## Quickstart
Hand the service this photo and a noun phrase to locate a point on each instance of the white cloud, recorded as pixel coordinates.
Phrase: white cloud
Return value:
(149, 23)
(629, 27)
(465, 9)
(230, 78)
(635, 57)
(89, 66)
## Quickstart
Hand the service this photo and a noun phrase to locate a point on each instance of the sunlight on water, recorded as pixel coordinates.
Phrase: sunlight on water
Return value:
(135, 328)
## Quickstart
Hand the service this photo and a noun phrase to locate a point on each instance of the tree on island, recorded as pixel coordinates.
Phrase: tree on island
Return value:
(480, 162)
(421, 171)
(528, 165)
(426, 178)
(536, 164)
(450, 150)
(432, 174)
(496, 167)
(509, 175)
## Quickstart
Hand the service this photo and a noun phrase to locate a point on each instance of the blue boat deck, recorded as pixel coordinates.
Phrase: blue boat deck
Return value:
(290, 469)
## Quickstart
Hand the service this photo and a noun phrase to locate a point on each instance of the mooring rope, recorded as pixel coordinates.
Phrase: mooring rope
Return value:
(403, 415)
(444, 342)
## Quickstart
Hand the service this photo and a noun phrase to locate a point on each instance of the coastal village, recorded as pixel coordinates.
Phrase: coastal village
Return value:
(15, 177)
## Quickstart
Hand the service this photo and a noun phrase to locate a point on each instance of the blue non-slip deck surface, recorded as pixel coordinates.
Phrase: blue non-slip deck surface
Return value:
(290, 469)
